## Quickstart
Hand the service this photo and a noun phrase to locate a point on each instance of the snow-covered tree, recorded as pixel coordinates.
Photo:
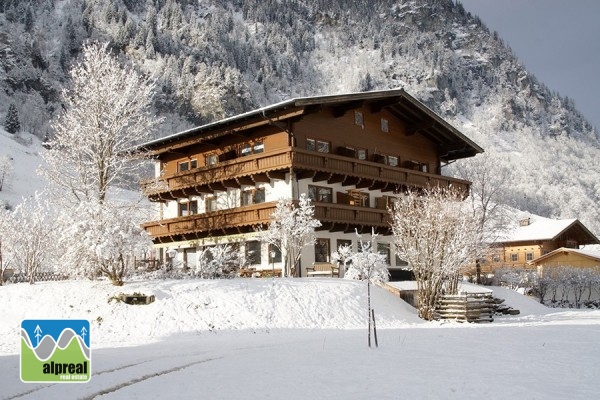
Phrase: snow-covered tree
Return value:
(368, 265)
(106, 116)
(343, 256)
(291, 228)
(101, 239)
(437, 236)
(27, 237)
(218, 261)
(12, 123)
(6, 168)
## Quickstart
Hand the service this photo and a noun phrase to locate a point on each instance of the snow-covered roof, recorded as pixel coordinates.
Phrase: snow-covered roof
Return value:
(590, 253)
(540, 228)
(439, 129)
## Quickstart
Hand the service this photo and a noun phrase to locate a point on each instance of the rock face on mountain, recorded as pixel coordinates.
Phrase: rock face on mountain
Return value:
(216, 58)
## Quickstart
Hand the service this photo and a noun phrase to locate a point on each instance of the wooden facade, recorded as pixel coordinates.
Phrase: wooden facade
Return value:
(350, 153)
(533, 239)
(565, 257)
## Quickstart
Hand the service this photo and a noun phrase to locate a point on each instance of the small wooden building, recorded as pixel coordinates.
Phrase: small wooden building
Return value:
(533, 238)
(577, 258)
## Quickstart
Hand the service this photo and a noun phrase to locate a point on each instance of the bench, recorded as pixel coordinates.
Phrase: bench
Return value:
(323, 269)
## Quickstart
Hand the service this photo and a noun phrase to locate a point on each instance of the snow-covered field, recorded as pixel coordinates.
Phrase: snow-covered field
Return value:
(299, 339)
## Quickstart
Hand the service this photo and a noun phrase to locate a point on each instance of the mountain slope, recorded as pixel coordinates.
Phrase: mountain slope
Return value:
(215, 58)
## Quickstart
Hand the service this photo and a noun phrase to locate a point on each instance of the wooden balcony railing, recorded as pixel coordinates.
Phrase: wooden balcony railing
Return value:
(368, 170)
(249, 216)
(300, 160)
(212, 221)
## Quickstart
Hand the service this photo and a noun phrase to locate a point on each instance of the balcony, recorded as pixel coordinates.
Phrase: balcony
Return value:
(243, 219)
(263, 167)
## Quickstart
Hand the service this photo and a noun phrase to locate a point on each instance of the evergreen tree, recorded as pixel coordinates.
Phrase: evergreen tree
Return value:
(11, 122)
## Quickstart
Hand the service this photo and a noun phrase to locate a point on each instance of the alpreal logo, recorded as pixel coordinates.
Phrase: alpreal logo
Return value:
(55, 350)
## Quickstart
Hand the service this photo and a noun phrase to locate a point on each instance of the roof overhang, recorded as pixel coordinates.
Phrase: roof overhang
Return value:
(420, 119)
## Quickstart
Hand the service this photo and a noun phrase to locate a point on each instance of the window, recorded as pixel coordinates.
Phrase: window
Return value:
(384, 249)
(385, 125)
(246, 149)
(358, 198)
(212, 159)
(361, 154)
(188, 208)
(274, 254)
(392, 161)
(496, 258)
(322, 250)
(514, 257)
(210, 203)
(358, 118)
(528, 256)
(400, 262)
(318, 145)
(320, 193)
(253, 252)
(253, 196)
(187, 165)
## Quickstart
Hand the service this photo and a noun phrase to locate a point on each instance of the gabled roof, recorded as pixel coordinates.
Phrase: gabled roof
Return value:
(540, 229)
(591, 254)
(454, 144)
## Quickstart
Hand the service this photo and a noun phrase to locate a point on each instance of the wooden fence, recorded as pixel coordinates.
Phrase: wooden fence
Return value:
(471, 307)
(37, 277)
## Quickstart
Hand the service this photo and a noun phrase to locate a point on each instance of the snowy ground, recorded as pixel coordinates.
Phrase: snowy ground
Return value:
(299, 339)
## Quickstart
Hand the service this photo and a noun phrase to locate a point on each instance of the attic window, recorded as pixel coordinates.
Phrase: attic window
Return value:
(524, 222)
(317, 145)
(358, 118)
(385, 126)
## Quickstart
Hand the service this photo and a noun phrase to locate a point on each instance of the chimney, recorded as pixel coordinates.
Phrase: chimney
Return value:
(524, 222)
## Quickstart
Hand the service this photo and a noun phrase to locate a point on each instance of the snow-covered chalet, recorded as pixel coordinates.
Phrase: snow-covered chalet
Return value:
(350, 153)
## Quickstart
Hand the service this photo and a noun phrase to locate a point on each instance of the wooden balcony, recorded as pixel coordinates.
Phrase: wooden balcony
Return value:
(249, 170)
(334, 217)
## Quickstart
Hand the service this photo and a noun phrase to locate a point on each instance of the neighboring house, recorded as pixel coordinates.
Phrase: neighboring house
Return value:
(533, 238)
(577, 258)
(350, 153)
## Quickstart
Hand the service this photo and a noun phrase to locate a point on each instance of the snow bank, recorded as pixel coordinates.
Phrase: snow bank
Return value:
(191, 306)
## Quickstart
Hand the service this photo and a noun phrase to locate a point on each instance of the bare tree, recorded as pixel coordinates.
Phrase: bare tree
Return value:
(436, 236)
(291, 228)
(488, 176)
(106, 116)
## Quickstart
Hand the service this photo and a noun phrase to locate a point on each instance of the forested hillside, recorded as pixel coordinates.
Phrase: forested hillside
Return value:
(215, 58)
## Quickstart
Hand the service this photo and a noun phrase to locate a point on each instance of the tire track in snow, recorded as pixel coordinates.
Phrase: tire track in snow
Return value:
(147, 377)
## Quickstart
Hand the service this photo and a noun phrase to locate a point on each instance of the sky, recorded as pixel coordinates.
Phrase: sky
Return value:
(556, 40)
